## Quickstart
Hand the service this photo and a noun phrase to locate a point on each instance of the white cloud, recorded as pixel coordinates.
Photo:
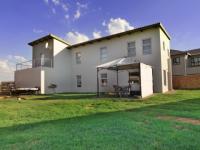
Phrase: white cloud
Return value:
(53, 10)
(46, 1)
(76, 37)
(56, 2)
(77, 15)
(118, 25)
(81, 5)
(64, 6)
(8, 65)
(37, 31)
(78, 12)
(104, 23)
(96, 34)
(66, 16)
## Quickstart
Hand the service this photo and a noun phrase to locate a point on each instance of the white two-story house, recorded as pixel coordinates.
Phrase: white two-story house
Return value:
(73, 68)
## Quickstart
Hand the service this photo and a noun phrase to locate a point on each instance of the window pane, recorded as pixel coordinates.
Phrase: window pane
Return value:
(104, 79)
(78, 78)
(103, 54)
(78, 58)
(165, 77)
(163, 45)
(147, 46)
(131, 49)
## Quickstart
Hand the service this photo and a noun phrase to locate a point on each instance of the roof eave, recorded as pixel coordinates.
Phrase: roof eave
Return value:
(121, 34)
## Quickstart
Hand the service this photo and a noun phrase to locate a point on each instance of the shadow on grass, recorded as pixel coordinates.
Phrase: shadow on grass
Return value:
(189, 107)
(97, 129)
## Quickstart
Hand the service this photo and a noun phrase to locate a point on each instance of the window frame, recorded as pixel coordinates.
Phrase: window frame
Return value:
(175, 62)
(78, 81)
(78, 58)
(103, 55)
(164, 46)
(104, 79)
(165, 77)
(193, 62)
(133, 54)
(143, 46)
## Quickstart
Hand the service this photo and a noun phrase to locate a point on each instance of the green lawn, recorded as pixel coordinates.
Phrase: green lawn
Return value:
(81, 121)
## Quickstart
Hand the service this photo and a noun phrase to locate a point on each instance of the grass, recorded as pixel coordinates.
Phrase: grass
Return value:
(81, 121)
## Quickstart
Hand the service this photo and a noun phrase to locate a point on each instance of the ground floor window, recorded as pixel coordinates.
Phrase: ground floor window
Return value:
(165, 77)
(104, 79)
(78, 80)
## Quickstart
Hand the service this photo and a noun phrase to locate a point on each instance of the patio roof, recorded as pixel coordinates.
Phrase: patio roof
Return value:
(121, 64)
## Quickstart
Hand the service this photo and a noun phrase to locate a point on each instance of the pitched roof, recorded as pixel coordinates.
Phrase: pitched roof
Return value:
(177, 52)
(194, 51)
(190, 52)
(156, 25)
(50, 36)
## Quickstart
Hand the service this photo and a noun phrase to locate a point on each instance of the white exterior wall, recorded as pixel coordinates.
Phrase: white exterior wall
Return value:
(28, 78)
(117, 47)
(146, 77)
(64, 70)
(60, 74)
(165, 62)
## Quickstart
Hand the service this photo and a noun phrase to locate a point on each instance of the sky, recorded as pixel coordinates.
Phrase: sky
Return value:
(23, 21)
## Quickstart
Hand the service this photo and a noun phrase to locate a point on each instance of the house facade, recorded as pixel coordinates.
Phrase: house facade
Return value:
(73, 67)
(186, 69)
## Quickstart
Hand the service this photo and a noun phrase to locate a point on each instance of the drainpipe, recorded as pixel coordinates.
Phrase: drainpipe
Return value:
(185, 65)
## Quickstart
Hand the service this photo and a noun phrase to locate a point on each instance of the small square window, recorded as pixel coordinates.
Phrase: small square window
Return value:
(104, 79)
(78, 80)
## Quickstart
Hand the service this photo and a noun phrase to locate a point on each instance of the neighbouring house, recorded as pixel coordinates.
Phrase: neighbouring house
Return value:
(73, 68)
(186, 69)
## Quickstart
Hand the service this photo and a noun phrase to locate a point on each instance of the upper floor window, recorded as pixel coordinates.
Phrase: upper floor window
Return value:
(131, 49)
(103, 54)
(78, 58)
(147, 48)
(78, 81)
(176, 61)
(195, 61)
(163, 45)
(104, 79)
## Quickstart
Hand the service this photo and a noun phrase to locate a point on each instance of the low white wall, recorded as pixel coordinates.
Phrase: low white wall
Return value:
(146, 80)
(28, 78)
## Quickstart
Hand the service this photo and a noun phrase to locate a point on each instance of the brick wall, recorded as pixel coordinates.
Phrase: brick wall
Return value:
(186, 82)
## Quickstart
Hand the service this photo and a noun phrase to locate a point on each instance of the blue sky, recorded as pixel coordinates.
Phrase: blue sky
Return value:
(25, 20)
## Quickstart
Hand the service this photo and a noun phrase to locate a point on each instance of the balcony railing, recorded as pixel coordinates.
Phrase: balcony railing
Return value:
(42, 62)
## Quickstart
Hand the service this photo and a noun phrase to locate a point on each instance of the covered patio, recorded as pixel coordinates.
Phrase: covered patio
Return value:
(140, 79)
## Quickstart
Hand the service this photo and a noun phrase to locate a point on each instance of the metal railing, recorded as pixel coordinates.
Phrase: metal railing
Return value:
(41, 62)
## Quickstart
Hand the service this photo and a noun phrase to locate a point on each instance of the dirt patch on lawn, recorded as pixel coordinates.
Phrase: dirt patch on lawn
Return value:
(181, 119)
(4, 97)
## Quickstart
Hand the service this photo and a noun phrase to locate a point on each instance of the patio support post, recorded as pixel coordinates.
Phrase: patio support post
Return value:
(117, 77)
(97, 82)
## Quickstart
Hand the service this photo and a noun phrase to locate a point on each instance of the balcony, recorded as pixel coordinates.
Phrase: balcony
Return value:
(35, 63)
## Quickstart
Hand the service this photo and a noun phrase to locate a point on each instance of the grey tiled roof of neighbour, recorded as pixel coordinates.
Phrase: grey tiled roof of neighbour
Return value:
(177, 52)
(194, 51)
(50, 36)
(190, 52)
